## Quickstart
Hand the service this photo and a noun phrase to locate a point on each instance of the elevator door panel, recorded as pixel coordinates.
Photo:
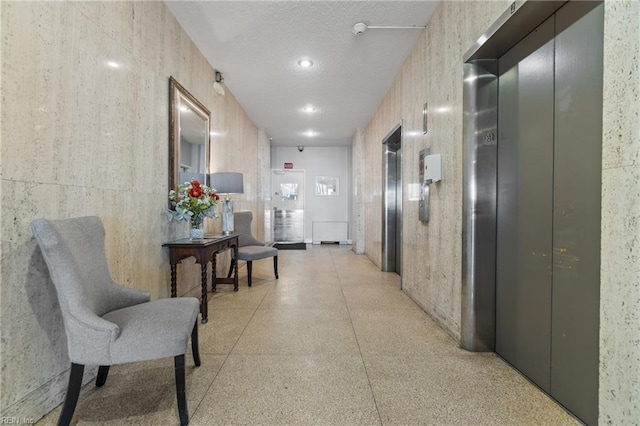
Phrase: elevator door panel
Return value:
(576, 237)
(525, 197)
(548, 231)
(392, 203)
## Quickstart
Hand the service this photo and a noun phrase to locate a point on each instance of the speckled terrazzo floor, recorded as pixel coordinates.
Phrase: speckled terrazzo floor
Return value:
(334, 341)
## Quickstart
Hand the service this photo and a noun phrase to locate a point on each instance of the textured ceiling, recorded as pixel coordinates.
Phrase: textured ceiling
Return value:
(256, 46)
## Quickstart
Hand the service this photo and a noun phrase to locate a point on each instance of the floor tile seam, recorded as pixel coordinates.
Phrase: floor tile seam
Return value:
(349, 283)
(305, 284)
(328, 307)
(417, 308)
(299, 354)
(327, 355)
(364, 366)
(299, 308)
(356, 310)
(429, 356)
(204, 394)
(222, 308)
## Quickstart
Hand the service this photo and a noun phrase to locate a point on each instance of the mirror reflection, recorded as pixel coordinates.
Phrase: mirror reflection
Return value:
(189, 137)
(193, 143)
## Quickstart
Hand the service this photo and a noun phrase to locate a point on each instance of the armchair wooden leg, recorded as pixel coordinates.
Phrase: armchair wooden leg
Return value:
(183, 412)
(73, 391)
(103, 372)
(233, 262)
(275, 266)
(194, 345)
(249, 267)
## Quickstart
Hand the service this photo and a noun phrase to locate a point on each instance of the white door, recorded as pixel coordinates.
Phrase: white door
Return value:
(287, 216)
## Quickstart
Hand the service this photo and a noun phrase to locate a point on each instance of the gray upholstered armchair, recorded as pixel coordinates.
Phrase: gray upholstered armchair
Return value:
(106, 323)
(249, 248)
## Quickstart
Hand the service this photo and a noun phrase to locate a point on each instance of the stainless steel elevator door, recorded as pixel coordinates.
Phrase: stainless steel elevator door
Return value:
(525, 209)
(392, 202)
(577, 199)
(548, 209)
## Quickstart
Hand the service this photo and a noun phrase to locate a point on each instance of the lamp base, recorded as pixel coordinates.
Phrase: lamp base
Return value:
(227, 216)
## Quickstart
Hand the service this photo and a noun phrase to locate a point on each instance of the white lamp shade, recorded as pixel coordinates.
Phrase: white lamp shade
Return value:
(227, 182)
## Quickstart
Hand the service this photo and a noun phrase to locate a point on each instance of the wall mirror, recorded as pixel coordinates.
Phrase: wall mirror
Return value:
(189, 137)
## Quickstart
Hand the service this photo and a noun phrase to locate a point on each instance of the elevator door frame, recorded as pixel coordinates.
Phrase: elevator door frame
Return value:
(392, 201)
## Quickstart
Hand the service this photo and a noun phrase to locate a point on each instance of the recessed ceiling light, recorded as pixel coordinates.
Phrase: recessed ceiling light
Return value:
(113, 64)
(309, 109)
(305, 63)
(310, 133)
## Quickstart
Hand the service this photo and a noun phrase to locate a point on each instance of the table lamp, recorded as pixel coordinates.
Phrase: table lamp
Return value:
(227, 183)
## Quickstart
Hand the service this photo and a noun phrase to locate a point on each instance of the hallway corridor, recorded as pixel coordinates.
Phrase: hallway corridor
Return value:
(334, 341)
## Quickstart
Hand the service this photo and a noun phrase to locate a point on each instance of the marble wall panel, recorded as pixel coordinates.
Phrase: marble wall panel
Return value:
(360, 175)
(412, 143)
(478, 17)
(29, 76)
(620, 296)
(619, 393)
(83, 138)
(622, 77)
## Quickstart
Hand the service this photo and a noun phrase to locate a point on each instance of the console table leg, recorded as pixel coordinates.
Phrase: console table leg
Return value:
(204, 309)
(214, 266)
(235, 268)
(174, 281)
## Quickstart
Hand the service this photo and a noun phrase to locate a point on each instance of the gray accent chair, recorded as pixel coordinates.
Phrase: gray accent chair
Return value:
(106, 323)
(250, 249)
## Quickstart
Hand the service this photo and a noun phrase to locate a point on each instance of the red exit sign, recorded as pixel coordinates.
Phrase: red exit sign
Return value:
(288, 165)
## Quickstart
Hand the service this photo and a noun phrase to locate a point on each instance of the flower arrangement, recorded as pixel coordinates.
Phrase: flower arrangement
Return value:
(193, 202)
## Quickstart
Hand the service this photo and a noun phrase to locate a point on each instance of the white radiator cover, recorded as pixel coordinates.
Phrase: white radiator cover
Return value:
(330, 232)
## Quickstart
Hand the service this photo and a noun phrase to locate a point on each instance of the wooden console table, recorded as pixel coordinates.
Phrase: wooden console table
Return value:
(204, 251)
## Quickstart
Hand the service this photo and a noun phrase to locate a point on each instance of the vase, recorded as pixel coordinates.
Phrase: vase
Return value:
(197, 230)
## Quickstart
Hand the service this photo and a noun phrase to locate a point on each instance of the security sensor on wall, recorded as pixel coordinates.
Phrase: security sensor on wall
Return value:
(300, 148)
(217, 85)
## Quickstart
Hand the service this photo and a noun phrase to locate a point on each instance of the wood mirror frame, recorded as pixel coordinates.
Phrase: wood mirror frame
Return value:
(189, 124)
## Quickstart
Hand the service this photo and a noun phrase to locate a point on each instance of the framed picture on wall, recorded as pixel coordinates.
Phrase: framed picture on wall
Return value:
(327, 185)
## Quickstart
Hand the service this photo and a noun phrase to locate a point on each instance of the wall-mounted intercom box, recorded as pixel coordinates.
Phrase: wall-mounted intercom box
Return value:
(430, 172)
(433, 168)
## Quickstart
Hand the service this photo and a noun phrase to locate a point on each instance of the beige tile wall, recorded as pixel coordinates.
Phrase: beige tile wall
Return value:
(432, 252)
(80, 138)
